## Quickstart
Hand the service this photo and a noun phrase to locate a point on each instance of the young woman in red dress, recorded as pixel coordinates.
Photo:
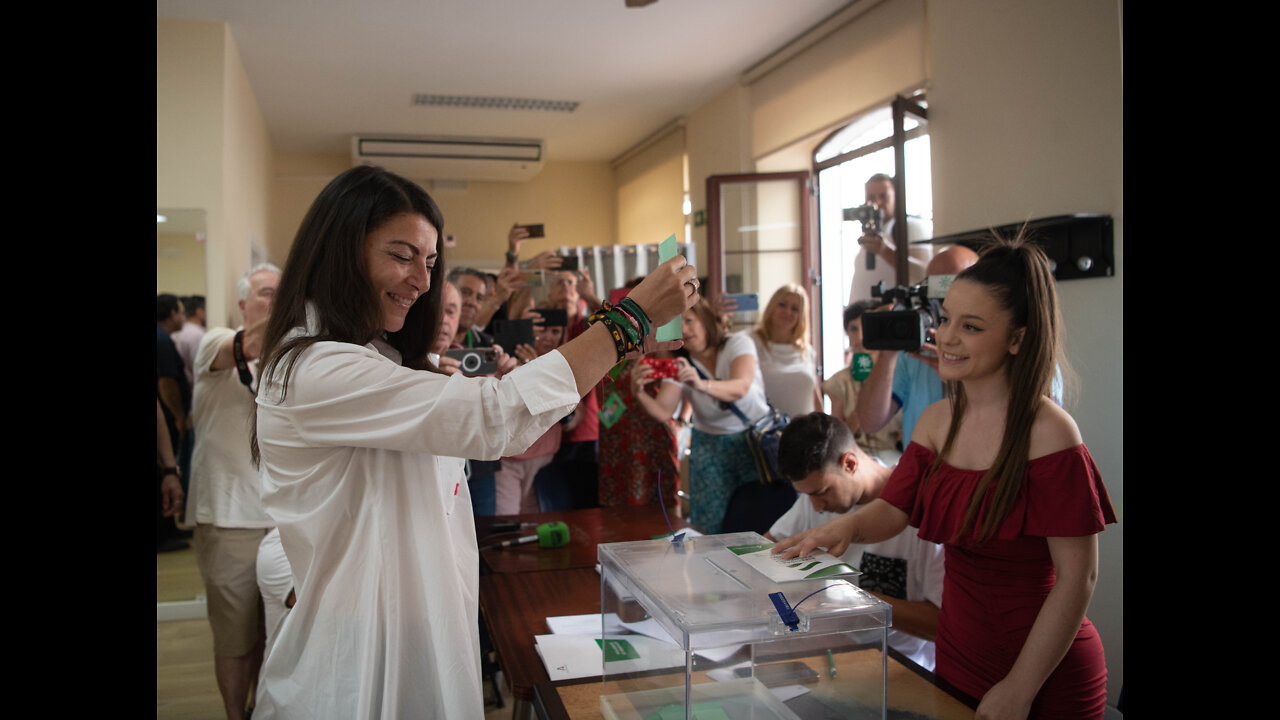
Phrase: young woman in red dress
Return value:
(1000, 475)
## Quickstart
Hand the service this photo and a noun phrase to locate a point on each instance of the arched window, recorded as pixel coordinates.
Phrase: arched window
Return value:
(843, 163)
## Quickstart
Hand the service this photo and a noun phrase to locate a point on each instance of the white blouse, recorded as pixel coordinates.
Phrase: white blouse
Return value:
(362, 472)
(790, 376)
(708, 415)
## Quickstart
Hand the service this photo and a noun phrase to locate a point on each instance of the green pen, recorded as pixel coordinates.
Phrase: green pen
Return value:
(831, 663)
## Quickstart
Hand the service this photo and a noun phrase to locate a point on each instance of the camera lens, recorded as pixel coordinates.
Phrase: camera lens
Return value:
(470, 362)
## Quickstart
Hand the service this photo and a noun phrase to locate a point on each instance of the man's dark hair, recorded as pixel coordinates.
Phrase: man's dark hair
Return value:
(856, 310)
(166, 304)
(192, 303)
(812, 442)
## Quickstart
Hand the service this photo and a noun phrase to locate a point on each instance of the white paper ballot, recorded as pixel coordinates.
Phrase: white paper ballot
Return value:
(584, 625)
(651, 628)
(575, 656)
(808, 567)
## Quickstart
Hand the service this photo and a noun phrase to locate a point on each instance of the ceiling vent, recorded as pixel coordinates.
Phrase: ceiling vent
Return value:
(450, 158)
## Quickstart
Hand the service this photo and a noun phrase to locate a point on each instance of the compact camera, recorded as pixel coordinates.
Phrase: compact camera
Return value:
(916, 310)
(871, 217)
(475, 361)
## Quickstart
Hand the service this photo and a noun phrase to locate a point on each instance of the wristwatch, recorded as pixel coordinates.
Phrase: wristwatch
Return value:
(512, 257)
(170, 471)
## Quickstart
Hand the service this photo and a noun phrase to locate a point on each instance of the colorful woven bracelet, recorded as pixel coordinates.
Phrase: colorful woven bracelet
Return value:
(633, 309)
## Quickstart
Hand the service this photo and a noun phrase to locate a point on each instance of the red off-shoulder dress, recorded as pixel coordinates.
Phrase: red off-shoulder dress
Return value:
(993, 590)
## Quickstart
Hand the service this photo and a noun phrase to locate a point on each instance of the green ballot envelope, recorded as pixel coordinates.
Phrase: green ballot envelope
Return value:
(672, 330)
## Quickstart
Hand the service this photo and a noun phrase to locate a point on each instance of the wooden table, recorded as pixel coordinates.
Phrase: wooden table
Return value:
(587, 528)
(910, 689)
(525, 584)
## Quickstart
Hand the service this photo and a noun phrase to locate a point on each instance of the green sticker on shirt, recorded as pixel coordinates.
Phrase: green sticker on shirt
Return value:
(860, 368)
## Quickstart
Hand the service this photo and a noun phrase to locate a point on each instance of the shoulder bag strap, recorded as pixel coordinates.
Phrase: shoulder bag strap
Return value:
(723, 404)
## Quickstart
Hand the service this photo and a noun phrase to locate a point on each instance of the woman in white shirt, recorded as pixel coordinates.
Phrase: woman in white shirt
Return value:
(360, 440)
(721, 369)
(786, 357)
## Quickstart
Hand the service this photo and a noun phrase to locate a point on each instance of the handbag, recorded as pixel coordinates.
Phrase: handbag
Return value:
(763, 437)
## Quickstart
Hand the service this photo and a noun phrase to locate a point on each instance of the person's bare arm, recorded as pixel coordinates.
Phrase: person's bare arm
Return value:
(1075, 561)
(875, 405)
(742, 372)
(918, 617)
(876, 522)
(660, 408)
(171, 485)
(171, 396)
(509, 279)
(663, 295)
(251, 344)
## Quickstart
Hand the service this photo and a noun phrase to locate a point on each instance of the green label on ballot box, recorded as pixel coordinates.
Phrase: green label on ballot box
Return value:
(672, 330)
(617, 650)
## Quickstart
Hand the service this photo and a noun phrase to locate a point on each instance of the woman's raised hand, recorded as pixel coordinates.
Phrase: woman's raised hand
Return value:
(668, 291)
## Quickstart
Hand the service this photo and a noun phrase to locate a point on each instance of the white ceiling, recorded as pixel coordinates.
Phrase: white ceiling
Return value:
(324, 70)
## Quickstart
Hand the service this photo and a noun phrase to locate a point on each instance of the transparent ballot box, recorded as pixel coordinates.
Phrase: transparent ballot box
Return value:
(690, 629)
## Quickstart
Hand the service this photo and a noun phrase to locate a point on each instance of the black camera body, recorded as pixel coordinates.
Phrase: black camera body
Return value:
(871, 217)
(475, 361)
(906, 326)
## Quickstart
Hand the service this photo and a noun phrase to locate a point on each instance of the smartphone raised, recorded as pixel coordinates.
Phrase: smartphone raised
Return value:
(568, 262)
(743, 302)
(552, 317)
(509, 333)
(535, 230)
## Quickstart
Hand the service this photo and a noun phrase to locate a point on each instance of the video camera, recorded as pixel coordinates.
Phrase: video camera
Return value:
(916, 310)
(871, 217)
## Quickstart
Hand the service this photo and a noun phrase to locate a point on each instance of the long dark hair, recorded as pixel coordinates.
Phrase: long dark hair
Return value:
(326, 268)
(1018, 274)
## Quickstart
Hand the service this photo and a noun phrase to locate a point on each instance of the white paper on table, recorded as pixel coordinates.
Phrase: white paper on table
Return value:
(584, 625)
(575, 656)
(815, 565)
(733, 639)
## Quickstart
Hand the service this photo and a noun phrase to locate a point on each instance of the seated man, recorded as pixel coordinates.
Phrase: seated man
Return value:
(817, 453)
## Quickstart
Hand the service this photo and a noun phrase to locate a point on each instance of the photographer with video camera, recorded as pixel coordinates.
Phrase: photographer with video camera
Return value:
(906, 380)
(877, 255)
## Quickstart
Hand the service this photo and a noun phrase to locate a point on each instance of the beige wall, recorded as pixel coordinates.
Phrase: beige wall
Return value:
(189, 72)
(718, 142)
(881, 53)
(212, 150)
(575, 200)
(650, 188)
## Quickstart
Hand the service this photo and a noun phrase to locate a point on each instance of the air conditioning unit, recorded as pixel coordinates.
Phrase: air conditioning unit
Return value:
(450, 158)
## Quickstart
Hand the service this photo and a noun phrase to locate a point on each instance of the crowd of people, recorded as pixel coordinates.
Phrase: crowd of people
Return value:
(336, 539)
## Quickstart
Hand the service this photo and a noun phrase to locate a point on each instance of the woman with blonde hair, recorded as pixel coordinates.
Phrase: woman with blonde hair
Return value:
(999, 474)
(786, 356)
